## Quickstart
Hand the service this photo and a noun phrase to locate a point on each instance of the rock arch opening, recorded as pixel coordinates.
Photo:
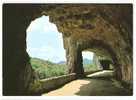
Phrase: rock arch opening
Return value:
(93, 61)
(45, 48)
(89, 61)
(99, 27)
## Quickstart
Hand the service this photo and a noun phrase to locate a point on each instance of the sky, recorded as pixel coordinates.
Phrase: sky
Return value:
(87, 54)
(45, 42)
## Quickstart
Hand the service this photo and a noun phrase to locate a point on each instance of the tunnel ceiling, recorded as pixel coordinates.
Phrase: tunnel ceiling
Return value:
(108, 24)
(95, 21)
(102, 28)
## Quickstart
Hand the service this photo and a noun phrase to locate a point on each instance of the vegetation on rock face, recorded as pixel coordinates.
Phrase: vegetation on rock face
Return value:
(90, 67)
(47, 69)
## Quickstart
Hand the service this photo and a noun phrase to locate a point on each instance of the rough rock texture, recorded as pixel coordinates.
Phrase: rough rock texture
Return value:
(17, 71)
(96, 61)
(103, 29)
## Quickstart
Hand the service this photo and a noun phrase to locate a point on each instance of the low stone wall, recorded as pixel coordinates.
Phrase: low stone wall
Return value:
(46, 85)
(55, 82)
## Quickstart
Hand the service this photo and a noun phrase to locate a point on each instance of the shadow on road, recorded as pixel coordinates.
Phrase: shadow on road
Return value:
(101, 84)
(96, 84)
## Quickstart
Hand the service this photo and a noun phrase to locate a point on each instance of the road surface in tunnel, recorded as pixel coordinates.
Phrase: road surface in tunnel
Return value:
(97, 84)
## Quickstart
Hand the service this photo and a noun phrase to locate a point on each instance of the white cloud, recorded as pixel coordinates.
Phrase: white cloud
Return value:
(87, 54)
(44, 41)
(42, 24)
(47, 53)
(34, 26)
(50, 27)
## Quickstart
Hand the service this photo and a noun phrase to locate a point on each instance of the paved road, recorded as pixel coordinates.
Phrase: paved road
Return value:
(97, 84)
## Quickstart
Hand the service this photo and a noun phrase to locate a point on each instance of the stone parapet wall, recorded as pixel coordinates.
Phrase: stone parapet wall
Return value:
(49, 84)
(103, 29)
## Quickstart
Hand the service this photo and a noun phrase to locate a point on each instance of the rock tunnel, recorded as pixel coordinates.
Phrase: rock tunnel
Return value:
(103, 29)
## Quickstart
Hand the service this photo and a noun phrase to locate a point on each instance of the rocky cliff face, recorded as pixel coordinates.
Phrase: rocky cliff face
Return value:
(17, 71)
(103, 29)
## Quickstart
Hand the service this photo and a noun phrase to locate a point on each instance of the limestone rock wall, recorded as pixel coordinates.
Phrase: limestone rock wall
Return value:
(96, 61)
(17, 71)
(105, 29)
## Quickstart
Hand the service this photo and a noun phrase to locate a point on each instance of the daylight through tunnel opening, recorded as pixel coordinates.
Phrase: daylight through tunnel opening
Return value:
(94, 62)
(103, 29)
(45, 48)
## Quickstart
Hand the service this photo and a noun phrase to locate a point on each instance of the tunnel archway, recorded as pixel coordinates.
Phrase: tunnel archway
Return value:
(91, 61)
(111, 34)
(87, 61)
(45, 48)
(104, 50)
(43, 37)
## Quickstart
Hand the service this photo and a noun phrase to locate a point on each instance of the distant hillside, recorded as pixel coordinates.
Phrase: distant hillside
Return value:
(87, 61)
(46, 69)
(36, 63)
(62, 62)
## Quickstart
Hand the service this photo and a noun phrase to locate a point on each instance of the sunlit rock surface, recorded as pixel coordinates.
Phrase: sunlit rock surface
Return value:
(103, 29)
